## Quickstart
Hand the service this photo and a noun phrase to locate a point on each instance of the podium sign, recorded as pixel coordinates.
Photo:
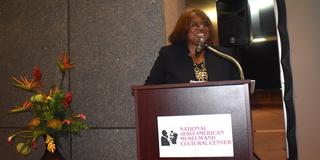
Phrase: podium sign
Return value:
(195, 136)
(156, 105)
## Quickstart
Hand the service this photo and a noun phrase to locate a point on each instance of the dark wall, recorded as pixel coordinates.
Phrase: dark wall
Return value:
(113, 45)
(260, 62)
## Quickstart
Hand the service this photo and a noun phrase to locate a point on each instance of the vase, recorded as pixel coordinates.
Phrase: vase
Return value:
(56, 155)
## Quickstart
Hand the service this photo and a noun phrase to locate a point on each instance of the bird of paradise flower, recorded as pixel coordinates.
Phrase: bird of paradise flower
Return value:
(52, 113)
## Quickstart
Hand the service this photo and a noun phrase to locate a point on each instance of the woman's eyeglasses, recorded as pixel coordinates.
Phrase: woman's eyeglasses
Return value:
(198, 24)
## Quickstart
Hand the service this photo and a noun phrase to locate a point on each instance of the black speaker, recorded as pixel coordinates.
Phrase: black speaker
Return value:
(233, 23)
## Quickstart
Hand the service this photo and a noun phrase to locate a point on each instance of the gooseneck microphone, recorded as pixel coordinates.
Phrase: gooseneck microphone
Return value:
(200, 46)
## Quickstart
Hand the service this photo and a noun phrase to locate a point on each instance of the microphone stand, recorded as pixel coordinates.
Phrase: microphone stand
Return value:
(227, 57)
(237, 64)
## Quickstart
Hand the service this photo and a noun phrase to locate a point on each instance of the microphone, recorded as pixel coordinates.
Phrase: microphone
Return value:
(200, 45)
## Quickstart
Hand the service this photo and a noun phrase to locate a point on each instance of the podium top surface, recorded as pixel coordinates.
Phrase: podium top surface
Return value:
(200, 84)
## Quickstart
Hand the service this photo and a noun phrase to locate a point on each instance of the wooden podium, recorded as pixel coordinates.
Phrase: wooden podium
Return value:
(222, 97)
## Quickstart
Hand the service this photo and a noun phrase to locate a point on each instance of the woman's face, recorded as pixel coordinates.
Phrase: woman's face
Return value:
(198, 28)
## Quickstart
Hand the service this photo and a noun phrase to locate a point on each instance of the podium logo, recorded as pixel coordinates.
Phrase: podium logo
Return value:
(166, 140)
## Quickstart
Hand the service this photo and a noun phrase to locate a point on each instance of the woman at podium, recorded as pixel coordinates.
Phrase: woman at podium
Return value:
(186, 59)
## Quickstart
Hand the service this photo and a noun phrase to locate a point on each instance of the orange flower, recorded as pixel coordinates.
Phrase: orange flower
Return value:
(25, 84)
(34, 122)
(25, 106)
(55, 124)
(53, 91)
(65, 63)
(52, 114)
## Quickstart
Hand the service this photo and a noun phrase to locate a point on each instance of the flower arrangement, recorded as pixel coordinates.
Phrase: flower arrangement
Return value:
(52, 113)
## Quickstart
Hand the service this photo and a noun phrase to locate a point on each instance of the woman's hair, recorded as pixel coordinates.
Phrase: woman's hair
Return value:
(180, 32)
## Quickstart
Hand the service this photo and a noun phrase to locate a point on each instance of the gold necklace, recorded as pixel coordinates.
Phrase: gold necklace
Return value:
(201, 71)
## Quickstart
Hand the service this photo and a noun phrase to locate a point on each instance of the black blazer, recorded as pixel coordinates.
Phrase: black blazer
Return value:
(173, 65)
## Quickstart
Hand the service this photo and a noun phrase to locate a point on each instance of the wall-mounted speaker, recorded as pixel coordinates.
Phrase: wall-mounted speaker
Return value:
(233, 23)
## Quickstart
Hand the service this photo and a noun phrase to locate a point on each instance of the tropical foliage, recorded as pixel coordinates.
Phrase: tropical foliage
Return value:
(51, 111)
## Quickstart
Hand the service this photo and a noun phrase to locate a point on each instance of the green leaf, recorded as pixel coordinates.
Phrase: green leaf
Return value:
(22, 87)
(24, 148)
(47, 115)
(38, 133)
(38, 98)
(18, 110)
